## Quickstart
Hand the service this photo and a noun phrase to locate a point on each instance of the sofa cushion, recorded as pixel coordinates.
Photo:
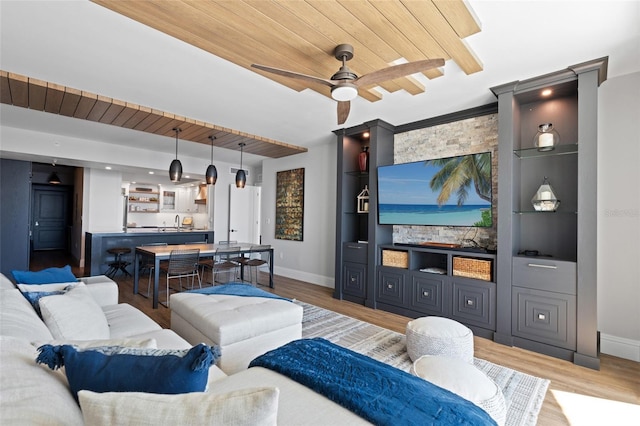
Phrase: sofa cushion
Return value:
(19, 319)
(121, 369)
(5, 283)
(298, 405)
(253, 406)
(125, 321)
(74, 315)
(32, 394)
(45, 276)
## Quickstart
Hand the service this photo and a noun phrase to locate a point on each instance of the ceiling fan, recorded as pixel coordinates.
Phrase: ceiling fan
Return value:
(344, 84)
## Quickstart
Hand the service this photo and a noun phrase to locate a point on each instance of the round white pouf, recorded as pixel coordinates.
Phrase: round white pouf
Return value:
(439, 336)
(464, 380)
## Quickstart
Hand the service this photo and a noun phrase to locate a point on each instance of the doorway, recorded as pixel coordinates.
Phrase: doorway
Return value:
(244, 214)
(50, 217)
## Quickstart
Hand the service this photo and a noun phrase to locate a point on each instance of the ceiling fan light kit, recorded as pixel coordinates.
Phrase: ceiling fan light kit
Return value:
(344, 84)
(344, 91)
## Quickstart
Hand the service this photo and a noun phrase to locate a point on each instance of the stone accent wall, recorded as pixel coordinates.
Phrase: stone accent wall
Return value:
(469, 136)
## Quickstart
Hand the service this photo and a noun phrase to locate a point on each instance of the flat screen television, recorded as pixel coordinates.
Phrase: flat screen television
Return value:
(453, 191)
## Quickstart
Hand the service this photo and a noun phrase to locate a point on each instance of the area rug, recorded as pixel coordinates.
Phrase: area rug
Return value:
(523, 393)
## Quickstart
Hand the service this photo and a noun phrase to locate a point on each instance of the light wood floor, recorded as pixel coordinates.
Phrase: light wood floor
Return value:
(576, 395)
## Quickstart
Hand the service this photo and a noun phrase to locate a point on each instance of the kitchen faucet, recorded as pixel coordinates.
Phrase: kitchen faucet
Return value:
(176, 221)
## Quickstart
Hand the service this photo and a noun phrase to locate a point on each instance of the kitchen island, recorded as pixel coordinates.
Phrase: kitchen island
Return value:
(97, 259)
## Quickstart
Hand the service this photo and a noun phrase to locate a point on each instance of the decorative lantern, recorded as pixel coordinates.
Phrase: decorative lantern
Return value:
(547, 137)
(363, 200)
(545, 199)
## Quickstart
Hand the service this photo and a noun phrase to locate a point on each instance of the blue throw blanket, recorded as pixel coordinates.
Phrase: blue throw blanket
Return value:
(235, 289)
(375, 391)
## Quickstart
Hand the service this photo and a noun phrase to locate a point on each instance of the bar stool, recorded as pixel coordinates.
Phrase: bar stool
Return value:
(118, 264)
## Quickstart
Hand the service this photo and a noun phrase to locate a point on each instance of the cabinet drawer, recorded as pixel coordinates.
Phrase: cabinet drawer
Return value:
(355, 252)
(545, 274)
(544, 317)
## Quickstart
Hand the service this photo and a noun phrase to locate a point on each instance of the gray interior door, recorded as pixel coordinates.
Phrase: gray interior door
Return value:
(50, 217)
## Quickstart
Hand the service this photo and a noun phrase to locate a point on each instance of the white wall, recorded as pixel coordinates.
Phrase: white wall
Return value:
(103, 202)
(312, 259)
(619, 216)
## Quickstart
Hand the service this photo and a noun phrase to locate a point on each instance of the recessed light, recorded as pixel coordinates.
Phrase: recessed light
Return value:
(365, 135)
(187, 176)
(150, 173)
(546, 92)
(108, 167)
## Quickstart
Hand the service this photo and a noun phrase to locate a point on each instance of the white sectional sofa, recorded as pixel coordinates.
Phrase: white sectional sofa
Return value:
(32, 394)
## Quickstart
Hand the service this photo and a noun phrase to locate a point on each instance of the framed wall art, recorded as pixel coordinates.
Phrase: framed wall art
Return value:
(290, 204)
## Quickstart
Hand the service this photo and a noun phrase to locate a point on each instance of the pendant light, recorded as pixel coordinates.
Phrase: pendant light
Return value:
(212, 173)
(241, 177)
(53, 177)
(175, 169)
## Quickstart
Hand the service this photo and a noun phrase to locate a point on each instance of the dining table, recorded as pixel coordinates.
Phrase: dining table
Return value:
(163, 252)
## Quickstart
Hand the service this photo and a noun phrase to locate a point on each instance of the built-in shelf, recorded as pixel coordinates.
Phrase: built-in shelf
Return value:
(542, 212)
(558, 150)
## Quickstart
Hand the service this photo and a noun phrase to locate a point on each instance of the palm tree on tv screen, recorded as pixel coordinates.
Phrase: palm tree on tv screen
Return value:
(458, 174)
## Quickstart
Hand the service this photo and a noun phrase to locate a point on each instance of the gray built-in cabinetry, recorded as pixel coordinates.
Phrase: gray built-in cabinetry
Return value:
(358, 233)
(545, 303)
(552, 296)
(412, 290)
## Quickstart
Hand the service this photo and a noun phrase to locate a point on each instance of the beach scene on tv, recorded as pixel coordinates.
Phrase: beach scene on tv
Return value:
(453, 191)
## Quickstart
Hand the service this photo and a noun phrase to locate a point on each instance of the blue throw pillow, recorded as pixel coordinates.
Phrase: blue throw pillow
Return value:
(132, 369)
(46, 276)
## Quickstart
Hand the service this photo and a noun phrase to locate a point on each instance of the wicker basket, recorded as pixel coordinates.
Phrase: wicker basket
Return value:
(395, 258)
(480, 269)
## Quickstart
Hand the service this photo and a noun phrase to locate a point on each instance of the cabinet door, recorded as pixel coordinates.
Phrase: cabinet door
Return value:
(428, 294)
(391, 286)
(474, 302)
(168, 201)
(544, 316)
(354, 279)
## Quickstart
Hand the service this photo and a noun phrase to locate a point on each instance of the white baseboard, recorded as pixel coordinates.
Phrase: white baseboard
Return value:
(620, 347)
(304, 276)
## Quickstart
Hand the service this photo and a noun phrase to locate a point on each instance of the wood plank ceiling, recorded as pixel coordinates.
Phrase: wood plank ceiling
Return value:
(291, 34)
(301, 36)
(22, 91)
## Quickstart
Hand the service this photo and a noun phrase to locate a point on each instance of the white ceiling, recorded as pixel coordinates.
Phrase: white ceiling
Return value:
(85, 46)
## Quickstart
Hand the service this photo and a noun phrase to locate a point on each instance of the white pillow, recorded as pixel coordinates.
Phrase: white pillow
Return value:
(74, 316)
(25, 288)
(253, 406)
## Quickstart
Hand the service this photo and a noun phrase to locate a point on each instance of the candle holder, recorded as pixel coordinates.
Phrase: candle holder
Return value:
(363, 200)
(547, 137)
(545, 199)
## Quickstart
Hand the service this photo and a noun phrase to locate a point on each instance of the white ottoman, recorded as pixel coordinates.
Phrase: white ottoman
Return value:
(439, 336)
(243, 327)
(464, 380)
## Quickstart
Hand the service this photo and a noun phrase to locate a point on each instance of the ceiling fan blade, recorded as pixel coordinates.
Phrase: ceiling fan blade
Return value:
(291, 74)
(343, 111)
(397, 71)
